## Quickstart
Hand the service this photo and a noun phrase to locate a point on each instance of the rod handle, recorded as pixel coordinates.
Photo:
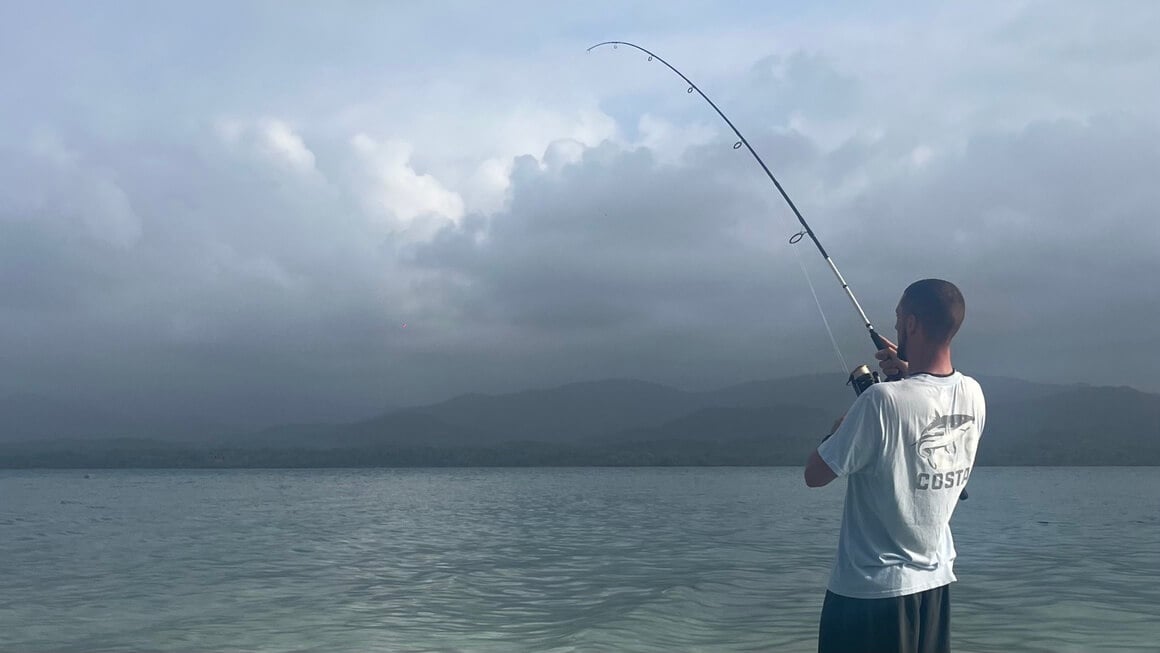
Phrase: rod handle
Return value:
(881, 344)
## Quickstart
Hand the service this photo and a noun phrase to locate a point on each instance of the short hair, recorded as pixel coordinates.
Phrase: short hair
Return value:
(937, 305)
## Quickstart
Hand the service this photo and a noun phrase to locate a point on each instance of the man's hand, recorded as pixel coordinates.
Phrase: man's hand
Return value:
(892, 366)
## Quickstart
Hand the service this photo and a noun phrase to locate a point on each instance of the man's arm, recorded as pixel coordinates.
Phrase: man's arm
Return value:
(818, 473)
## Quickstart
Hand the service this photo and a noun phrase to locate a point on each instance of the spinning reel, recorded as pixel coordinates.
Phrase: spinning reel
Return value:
(862, 378)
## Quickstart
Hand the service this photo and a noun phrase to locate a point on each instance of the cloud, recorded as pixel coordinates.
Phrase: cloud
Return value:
(281, 141)
(398, 189)
(56, 182)
(245, 235)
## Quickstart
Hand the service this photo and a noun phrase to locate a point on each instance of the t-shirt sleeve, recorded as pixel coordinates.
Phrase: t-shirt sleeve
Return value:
(980, 409)
(859, 440)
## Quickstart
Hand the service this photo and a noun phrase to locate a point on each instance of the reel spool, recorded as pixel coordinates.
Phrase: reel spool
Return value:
(862, 378)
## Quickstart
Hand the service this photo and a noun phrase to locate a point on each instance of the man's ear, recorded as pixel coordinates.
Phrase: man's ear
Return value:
(911, 325)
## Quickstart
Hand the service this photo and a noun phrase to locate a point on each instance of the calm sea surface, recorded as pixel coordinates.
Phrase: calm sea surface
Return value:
(688, 559)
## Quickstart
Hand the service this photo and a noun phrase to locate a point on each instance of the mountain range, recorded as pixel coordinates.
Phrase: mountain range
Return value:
(609, 422)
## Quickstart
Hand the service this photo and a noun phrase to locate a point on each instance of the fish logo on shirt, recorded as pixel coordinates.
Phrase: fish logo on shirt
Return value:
(943, 435)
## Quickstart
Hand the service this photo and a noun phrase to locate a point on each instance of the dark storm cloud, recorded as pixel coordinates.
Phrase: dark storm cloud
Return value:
(613, 239)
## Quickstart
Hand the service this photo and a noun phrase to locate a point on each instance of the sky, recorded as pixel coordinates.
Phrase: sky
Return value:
(272, 212)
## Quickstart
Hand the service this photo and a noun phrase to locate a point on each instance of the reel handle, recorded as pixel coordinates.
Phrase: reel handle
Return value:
(881, 344)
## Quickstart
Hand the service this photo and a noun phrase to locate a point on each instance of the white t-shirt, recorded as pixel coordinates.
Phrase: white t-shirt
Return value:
(907, 448)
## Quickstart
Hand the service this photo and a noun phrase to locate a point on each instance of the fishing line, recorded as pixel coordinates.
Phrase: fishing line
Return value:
(861, 372)
(810, 283)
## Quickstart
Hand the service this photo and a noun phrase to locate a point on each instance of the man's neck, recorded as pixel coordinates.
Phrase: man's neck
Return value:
(936, 362)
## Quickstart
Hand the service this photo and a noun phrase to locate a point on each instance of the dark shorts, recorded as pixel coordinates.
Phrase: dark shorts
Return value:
(915, 623)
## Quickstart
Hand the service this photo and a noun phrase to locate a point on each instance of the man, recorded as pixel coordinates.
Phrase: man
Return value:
(906, 448)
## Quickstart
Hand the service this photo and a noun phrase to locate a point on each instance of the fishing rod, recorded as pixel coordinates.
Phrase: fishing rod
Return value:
(861, 377)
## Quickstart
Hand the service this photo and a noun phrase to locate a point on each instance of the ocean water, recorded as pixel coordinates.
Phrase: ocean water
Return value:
(638, 559)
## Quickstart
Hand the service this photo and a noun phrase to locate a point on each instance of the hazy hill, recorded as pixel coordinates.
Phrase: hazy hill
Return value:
(565, 413)
(625, 422)
(1106, 426)
(30, 417)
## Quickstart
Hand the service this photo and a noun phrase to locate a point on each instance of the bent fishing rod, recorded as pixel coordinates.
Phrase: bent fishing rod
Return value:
(861, 377)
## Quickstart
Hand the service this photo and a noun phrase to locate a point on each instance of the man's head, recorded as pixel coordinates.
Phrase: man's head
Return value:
(931, 309)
